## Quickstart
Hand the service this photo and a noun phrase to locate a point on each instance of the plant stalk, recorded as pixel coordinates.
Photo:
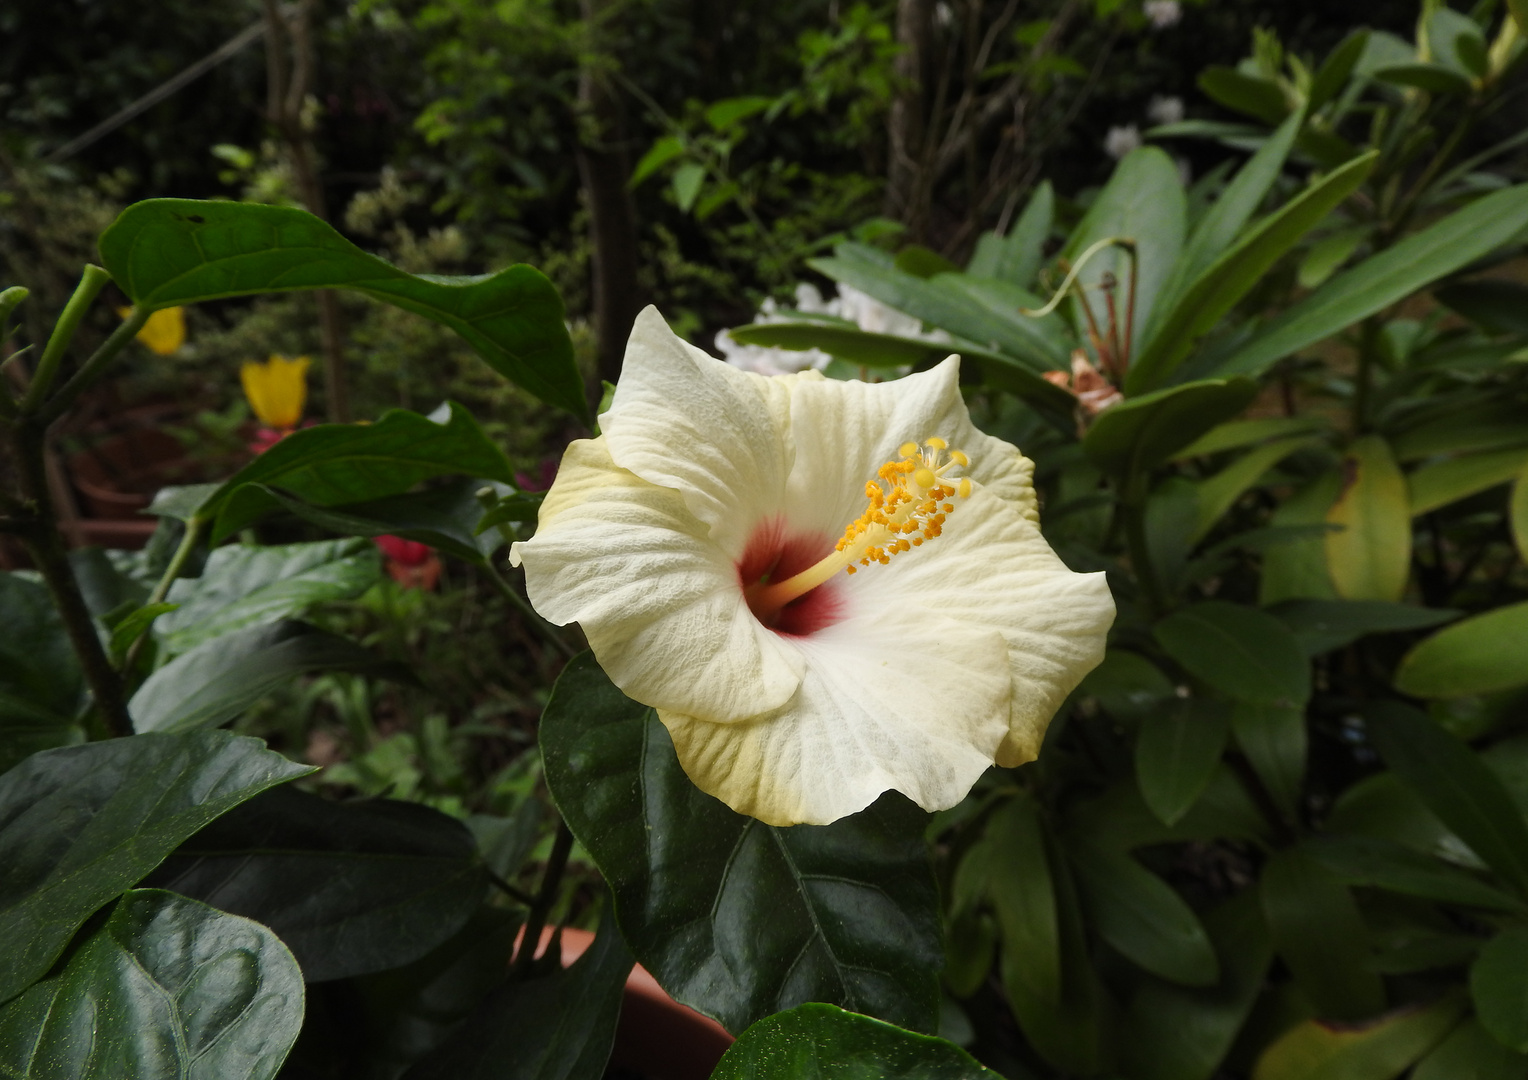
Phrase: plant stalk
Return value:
(92, 368)
(92, 281)
(541, 906)
(188, 542)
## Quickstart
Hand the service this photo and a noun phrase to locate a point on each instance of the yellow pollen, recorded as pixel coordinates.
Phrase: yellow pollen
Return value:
(906, 507)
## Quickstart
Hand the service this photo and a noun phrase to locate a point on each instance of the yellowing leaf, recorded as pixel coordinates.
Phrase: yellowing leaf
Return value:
(1517, 512)
(1379, 1050)
(1369, 556)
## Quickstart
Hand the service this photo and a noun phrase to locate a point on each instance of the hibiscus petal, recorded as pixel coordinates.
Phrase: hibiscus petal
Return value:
(911, 702)
(717, 435)
(659, 602)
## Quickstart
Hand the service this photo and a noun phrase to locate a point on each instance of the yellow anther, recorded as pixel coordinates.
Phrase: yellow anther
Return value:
(934, 442)
(907, 449)
(959, 458)
(925, 478)
(965, 488)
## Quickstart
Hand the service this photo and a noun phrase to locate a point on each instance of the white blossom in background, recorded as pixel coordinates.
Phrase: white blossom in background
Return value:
(1121, 140)
(1163, 13)
(1165, 109)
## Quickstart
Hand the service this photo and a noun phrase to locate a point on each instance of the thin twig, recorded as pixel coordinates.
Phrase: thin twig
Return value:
(541, 904)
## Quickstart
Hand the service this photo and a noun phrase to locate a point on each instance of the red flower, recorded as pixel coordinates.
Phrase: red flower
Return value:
(403, 552)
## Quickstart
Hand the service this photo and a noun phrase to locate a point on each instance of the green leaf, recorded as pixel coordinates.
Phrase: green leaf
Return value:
(1324, 625)
(166, 987)
(1274, 741)
(165, 252)
(1478, 655)
(1465, 426)
(1141, 916)
(335, 464)
(522, 506)
(244, 586)
(1297, 570)
(559, 1027)
(729, 112)
(135, 625)
(1217, 494)
(658, 155)
(1328, 254)
(1386, 278)
(1368, 553)
(1498, 307)
(1379, 1050)
(1256, 97)
(1517, 510)
(1016, 258)
(42, 689)
(350, 888)
(1336, 69)
(1436, 485)
(1176, 752)
(1234, 434)
(1320, 935)
(1455, 784)
(448, 518)
(1127, 685)
(823, 1042)
(1231, 276)
(220, 678)
(1141, 433)
(1382, 864)
(1434, 78)
(921, 262)
(1243, 653)
(735, 918)
(1021, 888)
(79, 825)
(1171, 511)
(1470, 1053)
(1143, 201)
(1177, 1033)
(686, 183)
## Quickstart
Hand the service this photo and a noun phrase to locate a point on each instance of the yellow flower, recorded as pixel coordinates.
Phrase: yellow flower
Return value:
(165, 330)
(805, 650)
(276, 390)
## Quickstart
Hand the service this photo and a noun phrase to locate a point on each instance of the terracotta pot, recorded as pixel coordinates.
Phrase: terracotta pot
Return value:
(118, 476)
(657, 1038)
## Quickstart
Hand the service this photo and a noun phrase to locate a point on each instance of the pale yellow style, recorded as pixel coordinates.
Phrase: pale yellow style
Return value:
(919, 627)
(164, 332)
(277, 390)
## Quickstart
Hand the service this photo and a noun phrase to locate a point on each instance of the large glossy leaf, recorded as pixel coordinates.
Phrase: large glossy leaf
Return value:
(1456, 785)
(243, 586)
(334, 464)
(1386, 278)
(559, 1027)
(351, 888)
(735, 918)
(42, 689)
(1470, 1053)
(1233, 274)
(165, 988)
(1379, 1050)
(1244, 653)
(1144, 202)
(1368, 551)
(1478, 655)
(1382, 864)
(823, 1042)
(1443, 482)
(1324, 625)
(165, 252)
(219, 679)
(1499, 985)
(1217, 494)
(1319, 934)
(1178, 1033)
(1274, 741)
(81, 824)
(1141, 916)
(1141, 433)
(1176, 751)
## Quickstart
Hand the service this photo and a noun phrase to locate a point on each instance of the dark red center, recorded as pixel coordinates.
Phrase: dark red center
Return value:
(774, 554)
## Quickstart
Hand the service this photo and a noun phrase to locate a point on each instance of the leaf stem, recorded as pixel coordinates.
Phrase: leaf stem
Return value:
(92, 281)
(92, 368)
(510, 593)
(541, 905)
(188, 542)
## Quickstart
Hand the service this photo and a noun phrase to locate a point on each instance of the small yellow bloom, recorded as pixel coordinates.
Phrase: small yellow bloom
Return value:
(165, 330)
(276, 390)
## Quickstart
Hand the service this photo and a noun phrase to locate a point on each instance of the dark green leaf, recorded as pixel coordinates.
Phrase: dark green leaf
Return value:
(1336, 69)
(1177, 1033)
(1297, 570)
(1455, 784)
(822, 1042)
(1234, 434)
(1020, 886)
(1386, 278)
(219, 679)
(1478, 655)
(243, 586)
(350, 888)
(1471, 425)
(1127, 685)
(1324, 625)
(1242, 652)
(1383, 864)
(1378, 1050)
(42, 689)
(559, 1027)
(1434, 78)
(1171, 512)
(1256, 97)
(1141, 433)
(729, 112)
(1469, 1053)
(1443, 482)
(919, 261)
(735, 918)
(335, 464)
(1274, 741)
(1176, 752)
(1214, 495)
(523, 506)
(658, 155)
(135, 624)
(79, 825)
(1499, 986)
(1016, 257)
(1498, 307)
(1319, 934)
(166, 987)
(1142, 917)
(179, 251)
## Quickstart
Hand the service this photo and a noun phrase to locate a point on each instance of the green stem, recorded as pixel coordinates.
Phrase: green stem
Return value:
(510, 593)
(8, 301)
(92, 281)
(93, 367)
(188, 542)
(541, 906)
